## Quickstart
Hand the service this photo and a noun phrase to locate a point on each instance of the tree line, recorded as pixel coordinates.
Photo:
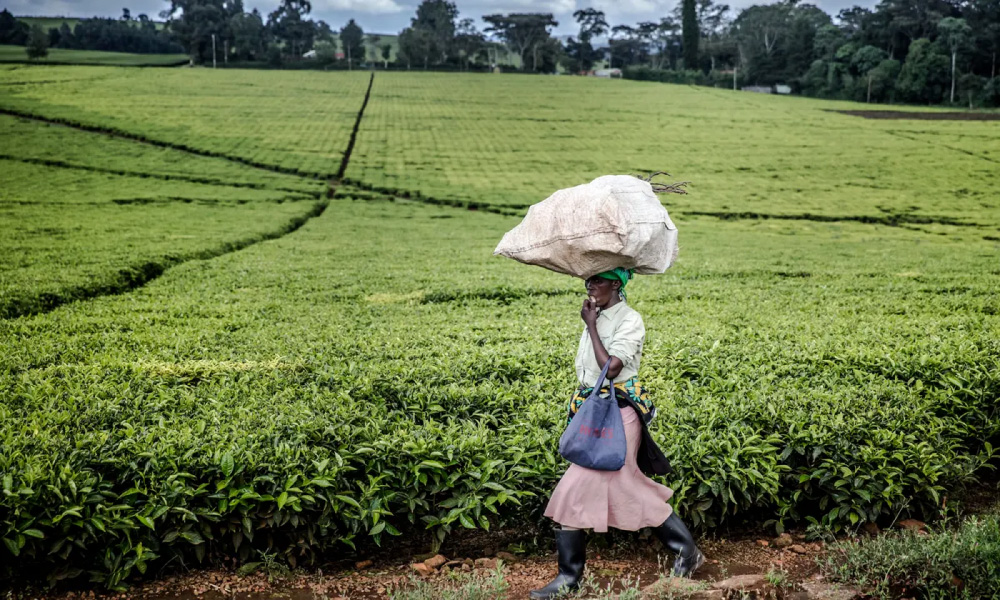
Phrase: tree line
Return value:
(138, 35)
(915, 51)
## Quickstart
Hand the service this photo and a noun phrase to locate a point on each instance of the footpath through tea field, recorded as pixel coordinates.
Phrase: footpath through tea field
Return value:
(240, 315)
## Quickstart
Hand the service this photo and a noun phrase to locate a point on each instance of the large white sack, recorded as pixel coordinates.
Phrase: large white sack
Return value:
(613, 221)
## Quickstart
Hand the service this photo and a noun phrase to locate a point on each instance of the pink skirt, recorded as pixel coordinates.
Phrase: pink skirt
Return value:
(624, 499)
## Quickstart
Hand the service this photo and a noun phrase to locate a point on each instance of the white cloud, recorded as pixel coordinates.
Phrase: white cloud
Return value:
(509, 6)
(369, 7)
(72, 8)
(392, 15)
(636, 7)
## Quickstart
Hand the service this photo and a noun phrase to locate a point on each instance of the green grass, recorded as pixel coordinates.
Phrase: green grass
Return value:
(378, 372)
(93, 57)
(459, 586)
(958, 562)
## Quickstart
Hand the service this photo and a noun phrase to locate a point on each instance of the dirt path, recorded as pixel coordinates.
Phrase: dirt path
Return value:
(923, 116)
(741, 563)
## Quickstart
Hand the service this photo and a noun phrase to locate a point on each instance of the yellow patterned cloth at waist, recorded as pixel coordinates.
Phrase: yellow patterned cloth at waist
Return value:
(630, 387)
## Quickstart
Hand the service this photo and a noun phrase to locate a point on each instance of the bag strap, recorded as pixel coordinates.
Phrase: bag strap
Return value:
(600, 378)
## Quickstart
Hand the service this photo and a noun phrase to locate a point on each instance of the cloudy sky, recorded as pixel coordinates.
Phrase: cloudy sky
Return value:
(390, 16)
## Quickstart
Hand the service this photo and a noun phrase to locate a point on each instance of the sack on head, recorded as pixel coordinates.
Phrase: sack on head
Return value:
(613, 221)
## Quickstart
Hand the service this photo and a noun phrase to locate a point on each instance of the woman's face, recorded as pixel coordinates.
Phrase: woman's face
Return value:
(602, 290)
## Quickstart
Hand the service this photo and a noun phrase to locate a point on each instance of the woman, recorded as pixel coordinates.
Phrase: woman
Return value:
(625, 499)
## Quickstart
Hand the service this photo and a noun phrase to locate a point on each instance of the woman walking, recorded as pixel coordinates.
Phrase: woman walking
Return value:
(624, 499)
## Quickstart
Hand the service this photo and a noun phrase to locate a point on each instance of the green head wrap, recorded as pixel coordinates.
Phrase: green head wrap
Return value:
(619, 274)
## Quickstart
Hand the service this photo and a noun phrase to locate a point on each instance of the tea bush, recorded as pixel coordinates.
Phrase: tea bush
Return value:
(304, 395)
(825, 351)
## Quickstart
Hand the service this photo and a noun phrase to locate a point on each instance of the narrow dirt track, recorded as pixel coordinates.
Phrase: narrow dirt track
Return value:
(921, 116)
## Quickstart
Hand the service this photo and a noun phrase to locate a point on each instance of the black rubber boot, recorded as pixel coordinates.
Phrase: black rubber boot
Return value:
(572, 547)
(673, 534)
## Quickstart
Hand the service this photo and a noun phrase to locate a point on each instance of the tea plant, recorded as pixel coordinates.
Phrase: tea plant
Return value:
(323, 402)
(377, 373)
(299, 122)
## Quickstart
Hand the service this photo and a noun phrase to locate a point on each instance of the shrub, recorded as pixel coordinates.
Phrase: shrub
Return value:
(960, 563)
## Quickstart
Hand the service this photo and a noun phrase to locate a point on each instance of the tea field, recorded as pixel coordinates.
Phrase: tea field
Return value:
(86, 214)
(60, 56)
(310, 375)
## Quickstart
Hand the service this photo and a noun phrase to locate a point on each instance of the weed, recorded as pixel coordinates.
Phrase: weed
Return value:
(270, 563)
(777, 577)
(963, 562)
(462, 586)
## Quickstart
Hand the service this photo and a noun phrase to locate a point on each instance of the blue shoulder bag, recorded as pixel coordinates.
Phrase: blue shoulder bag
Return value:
(595, 438)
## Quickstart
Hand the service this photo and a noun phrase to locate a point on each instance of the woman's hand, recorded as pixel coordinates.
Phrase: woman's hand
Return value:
(589, 313)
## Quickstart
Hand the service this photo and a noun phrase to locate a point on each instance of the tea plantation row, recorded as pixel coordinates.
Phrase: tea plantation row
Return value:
(86, 215)
(318, 391)
(499, 141)
(378, 373)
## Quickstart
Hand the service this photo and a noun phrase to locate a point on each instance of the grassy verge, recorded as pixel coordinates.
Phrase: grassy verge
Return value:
(457, 586)
(963, 562)
(63, 56)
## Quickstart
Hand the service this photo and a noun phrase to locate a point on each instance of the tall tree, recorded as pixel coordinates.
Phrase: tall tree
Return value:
(193, 22)
(984, 19)
(437, 18)
(691, 33)
(592, 23)
(955, 33)
(547, 54)
(908, 20)
(12, 31)
(323, 32)
(581, 54)
(923, 77)
(38, 42)
(864, 62)
(66, 36)
(758, 31)
(288, 24)
(713, 19)
(352, 41)
(416, 46)
(797, 49)
(627, 46)
(469, 43)
(663, 41)
(248, 34)
(523, 33)
(854, 19)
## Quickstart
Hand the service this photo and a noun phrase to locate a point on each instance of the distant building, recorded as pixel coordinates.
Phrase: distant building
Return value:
(310, 54)
(608, 73)
(766, 89)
